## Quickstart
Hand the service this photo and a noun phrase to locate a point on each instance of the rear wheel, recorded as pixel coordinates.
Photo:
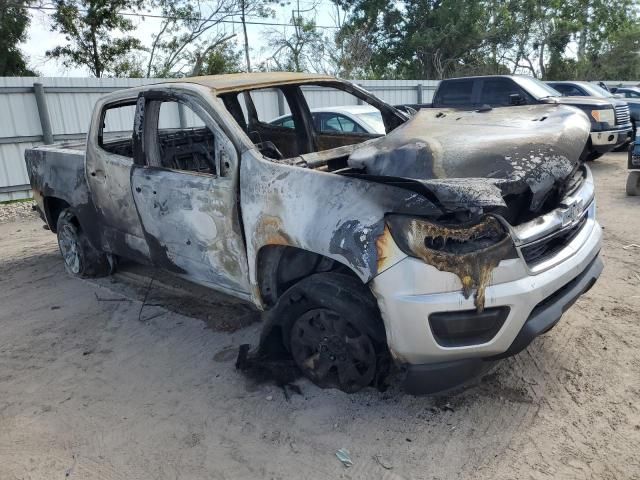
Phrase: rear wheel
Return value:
(81, 259)
(333, 330)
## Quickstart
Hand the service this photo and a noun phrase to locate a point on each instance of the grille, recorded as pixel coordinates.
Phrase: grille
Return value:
(575, 181)
(622, 115)
(549, 246)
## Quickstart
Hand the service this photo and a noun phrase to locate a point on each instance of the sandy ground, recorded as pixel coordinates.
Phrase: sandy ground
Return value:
(95, 386)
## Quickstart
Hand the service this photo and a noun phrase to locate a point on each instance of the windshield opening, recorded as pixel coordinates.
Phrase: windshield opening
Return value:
(536, 88)
(596, 90)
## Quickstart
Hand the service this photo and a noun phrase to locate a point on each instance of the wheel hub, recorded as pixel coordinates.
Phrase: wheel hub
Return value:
(334, 348)
(332, 351)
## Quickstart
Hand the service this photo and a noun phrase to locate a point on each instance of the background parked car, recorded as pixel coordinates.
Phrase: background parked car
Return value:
(347, 118)
(627, 92)
(609, 129)
(631, 95)
(588, 89)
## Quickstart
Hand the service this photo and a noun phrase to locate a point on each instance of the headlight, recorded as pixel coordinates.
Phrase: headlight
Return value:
(469, 251)
(416, 236)
(606, 116)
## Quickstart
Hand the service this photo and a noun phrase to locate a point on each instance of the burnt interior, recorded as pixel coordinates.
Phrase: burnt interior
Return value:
(303, 135)
(118, 146)
(189, 149)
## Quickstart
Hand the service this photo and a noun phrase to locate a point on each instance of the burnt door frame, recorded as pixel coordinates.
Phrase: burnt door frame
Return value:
(190, 219)
(108, 176)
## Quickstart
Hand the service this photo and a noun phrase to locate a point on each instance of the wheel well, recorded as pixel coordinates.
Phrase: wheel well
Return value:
(52, 208)
(280, 267)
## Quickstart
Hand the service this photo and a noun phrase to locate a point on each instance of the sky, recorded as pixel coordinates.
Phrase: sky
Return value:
(41, 38)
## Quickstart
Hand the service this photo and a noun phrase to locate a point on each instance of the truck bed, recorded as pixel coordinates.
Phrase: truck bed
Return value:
(57, 171)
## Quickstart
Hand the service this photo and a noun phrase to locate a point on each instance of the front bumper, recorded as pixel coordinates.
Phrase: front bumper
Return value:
(535, 294)
(436, 377)
(606, 141)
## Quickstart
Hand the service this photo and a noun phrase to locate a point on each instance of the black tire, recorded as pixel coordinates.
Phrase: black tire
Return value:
(591, 156)
(81, 259)
(624, 147)
(332, 327)
(633, 184)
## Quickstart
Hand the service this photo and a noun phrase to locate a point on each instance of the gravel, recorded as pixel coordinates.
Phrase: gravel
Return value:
(10, 212)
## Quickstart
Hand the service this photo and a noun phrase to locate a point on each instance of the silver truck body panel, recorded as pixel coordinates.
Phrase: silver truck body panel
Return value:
(212, 228)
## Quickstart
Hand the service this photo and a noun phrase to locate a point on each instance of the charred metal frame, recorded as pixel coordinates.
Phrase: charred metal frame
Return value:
(221, 225)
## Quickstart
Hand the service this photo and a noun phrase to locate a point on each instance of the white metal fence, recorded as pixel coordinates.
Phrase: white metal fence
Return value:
(34, 111)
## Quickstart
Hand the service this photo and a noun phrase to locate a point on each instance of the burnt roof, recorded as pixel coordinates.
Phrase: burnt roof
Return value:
(243, 81)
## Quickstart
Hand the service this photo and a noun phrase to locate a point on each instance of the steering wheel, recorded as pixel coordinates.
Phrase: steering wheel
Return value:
(268, 149)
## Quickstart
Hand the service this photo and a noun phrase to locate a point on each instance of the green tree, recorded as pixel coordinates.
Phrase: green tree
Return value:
(14, 21)
(617, 59)
(419, 38)
(223, 59)
(191, 29)
(300, 48)
(608, 40)
(253, 8)
(545, 38)
(97, 34)
(352, 56)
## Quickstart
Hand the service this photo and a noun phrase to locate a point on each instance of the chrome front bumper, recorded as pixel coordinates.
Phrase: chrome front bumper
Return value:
(611, 137)
(410, 291)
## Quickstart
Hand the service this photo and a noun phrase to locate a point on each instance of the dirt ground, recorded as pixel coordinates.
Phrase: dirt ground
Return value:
(96, 385)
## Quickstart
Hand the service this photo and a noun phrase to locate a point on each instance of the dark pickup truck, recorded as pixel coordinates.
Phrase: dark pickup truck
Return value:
(617, 96)
(631, 95)
(610, 125)
(633, 180)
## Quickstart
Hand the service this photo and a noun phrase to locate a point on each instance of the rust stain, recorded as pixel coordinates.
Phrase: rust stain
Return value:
(231, 82)
(270, 230)
(384, 244)
(256, 294)
(37, 196)
(472, 268)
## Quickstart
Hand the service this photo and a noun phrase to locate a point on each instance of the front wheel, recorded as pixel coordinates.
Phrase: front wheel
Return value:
(333, 351)
(334, 331)
(81, 259)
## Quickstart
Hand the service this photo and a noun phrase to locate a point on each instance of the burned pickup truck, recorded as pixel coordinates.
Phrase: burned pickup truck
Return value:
(449, 242)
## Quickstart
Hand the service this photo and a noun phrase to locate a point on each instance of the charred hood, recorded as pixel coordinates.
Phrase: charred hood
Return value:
(481, 160)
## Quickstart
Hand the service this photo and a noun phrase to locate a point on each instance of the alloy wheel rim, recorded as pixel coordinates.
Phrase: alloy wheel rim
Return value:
(70, 249)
